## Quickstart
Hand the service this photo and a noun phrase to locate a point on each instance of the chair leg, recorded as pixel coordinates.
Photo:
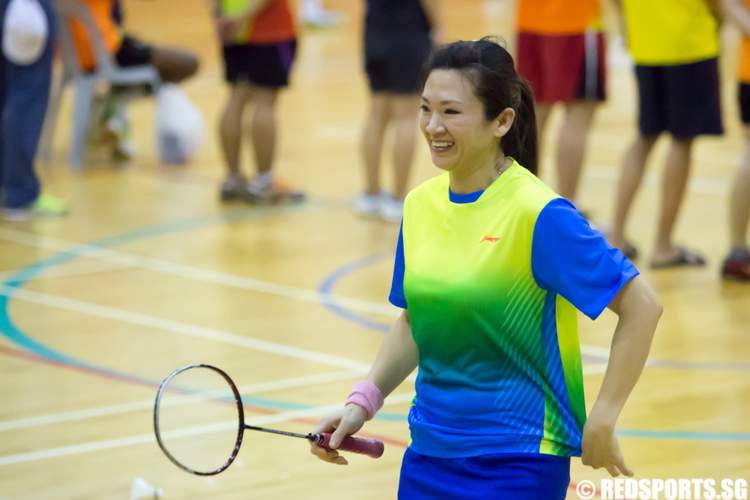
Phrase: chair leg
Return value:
(84, 95)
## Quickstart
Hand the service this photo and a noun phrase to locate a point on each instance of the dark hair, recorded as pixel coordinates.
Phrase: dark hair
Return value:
(491, 70)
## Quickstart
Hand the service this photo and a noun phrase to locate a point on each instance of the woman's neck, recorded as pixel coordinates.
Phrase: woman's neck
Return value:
(464, 181)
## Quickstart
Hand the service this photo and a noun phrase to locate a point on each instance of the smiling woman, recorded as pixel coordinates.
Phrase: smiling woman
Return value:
(490, 267)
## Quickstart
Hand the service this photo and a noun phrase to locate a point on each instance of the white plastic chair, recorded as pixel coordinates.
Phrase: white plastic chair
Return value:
(85, 83)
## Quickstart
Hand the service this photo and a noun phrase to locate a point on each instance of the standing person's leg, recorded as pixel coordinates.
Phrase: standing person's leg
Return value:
(404, 140)
(571, 146)
(378, 68)
(27, 94)
(373, 135)
(404, 123)
(737, 263)
(673, 185)
(263, 133)
(739, 205)
(652, 121)
(631, 175)
(230, 136)
(694, 109)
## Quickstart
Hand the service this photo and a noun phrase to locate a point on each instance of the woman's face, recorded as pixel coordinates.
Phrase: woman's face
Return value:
(452, 120)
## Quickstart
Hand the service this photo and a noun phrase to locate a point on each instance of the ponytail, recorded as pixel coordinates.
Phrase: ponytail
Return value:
(521, 141)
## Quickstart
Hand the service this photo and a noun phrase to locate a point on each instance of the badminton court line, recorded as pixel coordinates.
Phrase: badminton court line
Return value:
(89, 413)
(181, 328)
(184, 271)
(214, 277)
(149, 438)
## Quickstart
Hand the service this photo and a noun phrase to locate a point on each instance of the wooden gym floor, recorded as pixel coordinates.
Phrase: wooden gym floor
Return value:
(150, 272)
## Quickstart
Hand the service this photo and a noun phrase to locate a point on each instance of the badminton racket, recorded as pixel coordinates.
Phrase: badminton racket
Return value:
(199, 422)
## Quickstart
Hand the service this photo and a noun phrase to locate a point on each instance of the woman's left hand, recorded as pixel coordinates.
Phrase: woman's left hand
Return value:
(600, 446)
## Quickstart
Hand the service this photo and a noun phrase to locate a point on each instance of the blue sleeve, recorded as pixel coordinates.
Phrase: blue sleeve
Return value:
(396, 297)
(572, 259)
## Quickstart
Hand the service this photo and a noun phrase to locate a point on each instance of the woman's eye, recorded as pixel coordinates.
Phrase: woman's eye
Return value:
(424, 108)
(452, 111)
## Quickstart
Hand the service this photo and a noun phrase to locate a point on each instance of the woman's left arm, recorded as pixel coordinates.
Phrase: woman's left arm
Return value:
(639, 311)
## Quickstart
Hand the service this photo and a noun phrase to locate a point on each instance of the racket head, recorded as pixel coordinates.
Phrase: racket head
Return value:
(192, 403)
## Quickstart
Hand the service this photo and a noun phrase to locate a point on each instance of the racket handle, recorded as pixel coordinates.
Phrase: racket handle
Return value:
(370, 447)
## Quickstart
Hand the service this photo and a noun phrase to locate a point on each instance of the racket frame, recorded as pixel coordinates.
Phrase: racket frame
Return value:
(240, 423)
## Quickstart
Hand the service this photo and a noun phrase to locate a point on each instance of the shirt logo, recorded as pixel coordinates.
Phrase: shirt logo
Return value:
(491, 239)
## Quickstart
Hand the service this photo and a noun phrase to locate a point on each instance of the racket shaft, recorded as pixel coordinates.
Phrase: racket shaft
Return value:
(274, 431)
(370, 447)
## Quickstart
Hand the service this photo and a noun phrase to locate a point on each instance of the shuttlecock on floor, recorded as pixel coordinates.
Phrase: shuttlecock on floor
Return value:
(141, 490)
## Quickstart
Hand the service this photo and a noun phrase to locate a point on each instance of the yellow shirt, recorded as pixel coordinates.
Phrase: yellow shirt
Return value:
(669, 32)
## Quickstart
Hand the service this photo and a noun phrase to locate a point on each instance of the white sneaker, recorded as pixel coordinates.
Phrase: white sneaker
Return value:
(391, 209)
(368, 205)
(320, 18)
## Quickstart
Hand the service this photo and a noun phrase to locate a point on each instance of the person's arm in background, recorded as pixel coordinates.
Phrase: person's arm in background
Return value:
(716, 9)
(434, 17)
(639, 311)
(738, 13)
(397, 358)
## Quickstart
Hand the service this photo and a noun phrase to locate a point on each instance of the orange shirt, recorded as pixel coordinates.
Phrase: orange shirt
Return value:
(558, 17)
(743, 64)
(274, 23)
(101, 11)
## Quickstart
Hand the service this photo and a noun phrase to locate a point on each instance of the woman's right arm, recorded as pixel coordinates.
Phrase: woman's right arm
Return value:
(397, 358)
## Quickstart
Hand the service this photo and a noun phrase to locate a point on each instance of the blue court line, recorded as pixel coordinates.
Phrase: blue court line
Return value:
(21, 339)
(325, 289)
(18, 280)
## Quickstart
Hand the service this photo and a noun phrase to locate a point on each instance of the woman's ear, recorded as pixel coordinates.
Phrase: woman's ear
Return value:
(503, 122)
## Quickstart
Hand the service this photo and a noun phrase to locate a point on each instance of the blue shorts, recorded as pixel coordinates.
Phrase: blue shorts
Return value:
(501, 476)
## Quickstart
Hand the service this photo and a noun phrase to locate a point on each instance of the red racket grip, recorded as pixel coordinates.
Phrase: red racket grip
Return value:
(370, 447)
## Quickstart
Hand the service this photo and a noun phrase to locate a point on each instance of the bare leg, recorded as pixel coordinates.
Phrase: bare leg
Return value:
(263, 132)
(174, 65)
(739, 202)
(571, 146)
(674, 183)
(404, 139)
(542, 117)
(230, 127)
(631, 175)
(372, 141)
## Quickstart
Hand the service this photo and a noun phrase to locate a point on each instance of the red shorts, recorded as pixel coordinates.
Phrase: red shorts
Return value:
(563, 67)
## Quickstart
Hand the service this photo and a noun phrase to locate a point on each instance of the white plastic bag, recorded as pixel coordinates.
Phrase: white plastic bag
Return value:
(25, 31)
(179, 126)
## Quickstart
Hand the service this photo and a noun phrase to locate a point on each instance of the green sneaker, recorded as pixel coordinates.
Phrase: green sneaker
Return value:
(44, 206)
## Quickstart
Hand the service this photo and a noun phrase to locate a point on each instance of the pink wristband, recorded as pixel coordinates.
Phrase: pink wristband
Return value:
(368, 396)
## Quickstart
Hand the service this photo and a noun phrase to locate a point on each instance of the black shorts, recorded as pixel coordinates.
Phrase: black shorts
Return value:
(265, 65)
(743, 98)
(132, 52)
(394, 64)
(682, 100)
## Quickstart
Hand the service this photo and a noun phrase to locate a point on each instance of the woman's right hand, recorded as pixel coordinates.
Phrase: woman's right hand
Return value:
(342, 423)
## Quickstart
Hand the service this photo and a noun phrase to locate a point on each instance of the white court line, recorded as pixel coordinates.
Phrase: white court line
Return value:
(180, 270)
(70, 416)
(180, 328)
(108, 444)
(184, 271)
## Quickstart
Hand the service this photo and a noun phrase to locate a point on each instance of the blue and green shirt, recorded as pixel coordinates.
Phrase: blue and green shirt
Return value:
(491, 281)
